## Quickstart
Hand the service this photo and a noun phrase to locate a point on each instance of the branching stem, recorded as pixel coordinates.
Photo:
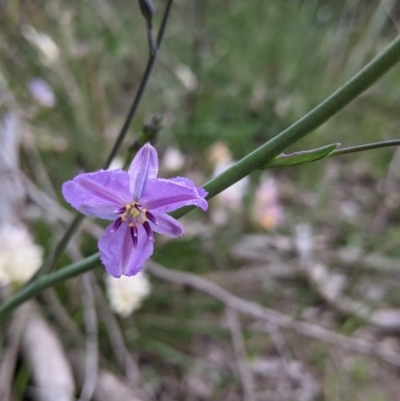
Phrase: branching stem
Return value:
(55, 253)
(380, 65)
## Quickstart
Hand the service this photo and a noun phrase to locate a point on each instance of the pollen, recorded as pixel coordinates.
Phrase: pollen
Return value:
(134, 212)
(135, 215)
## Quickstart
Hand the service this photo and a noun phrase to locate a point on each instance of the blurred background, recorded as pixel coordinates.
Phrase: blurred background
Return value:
(317, 243)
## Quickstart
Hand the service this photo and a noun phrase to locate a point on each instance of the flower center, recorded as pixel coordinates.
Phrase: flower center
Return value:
(135, 215)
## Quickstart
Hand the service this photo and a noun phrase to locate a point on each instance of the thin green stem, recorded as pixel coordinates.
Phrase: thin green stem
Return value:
(362, 148)
(142, 87)
(337, 101)
(53, 255)
(33, 288)
(311, 121)
(88, 263)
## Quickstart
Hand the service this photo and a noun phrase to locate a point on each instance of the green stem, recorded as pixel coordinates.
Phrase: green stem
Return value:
(374, 70)
(54, 254)
(314, 155)
(362, 148)
(73, 227)
(33, 288)
(337, 101)
(142, 87)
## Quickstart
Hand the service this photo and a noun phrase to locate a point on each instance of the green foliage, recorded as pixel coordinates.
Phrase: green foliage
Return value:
(260, 66)
(306, 156)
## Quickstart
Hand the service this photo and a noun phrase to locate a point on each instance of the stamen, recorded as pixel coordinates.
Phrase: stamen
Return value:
(120, 210)
(151, 217)
(134, 234)
(116, 225)
(138, 206)
(149, 231)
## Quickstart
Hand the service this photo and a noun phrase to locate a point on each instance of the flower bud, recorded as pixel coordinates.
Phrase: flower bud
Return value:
(147, 9)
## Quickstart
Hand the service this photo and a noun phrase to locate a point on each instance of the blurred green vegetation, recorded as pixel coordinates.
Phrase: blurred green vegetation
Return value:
(255, 67)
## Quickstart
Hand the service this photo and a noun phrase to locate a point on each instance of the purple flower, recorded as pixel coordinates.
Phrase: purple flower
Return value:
(138, 202)
(42, 92)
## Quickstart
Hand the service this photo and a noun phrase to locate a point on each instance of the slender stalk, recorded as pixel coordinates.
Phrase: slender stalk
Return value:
(332, 105)
(62, 244)
(313, 155)
(32, 289)
(315, 118)
(362, 148)
(142, 87)
(374, 70)
(54, 254)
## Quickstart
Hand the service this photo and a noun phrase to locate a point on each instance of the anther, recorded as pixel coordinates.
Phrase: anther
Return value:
(149, 231)
(151, 217)
(138, 207)
(134, 234)
(120, 210)
(116, 225)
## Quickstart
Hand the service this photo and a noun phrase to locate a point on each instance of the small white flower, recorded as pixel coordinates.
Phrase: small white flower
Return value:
(127, 293)
(49, 51)
(20, 257)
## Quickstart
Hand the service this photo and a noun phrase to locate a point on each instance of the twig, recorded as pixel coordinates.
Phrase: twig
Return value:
(61, 316)
(322, 281)
(44, 354)
(357, 260)
(240, 354)
(92, 354)
(142, 87)
(283, 350)
(90, 322)
(109, 387)
(273, 317)
(307, 124)
(122, 353)
(51, 259)
(34, 288)
(124, 357)
(380, 65)
(363, 148)
(9, 358)
(39, 170)
(12, 191)
(319, 277)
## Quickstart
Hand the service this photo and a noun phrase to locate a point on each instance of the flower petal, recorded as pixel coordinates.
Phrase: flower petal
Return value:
(143, 167)
(201, 192)
(167, 225)
(98, 194)
(118, 254)
(164, 196)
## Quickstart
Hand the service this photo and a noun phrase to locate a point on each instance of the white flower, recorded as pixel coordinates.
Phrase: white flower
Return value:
(49, 51)
(126, 293)
(20, 257)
